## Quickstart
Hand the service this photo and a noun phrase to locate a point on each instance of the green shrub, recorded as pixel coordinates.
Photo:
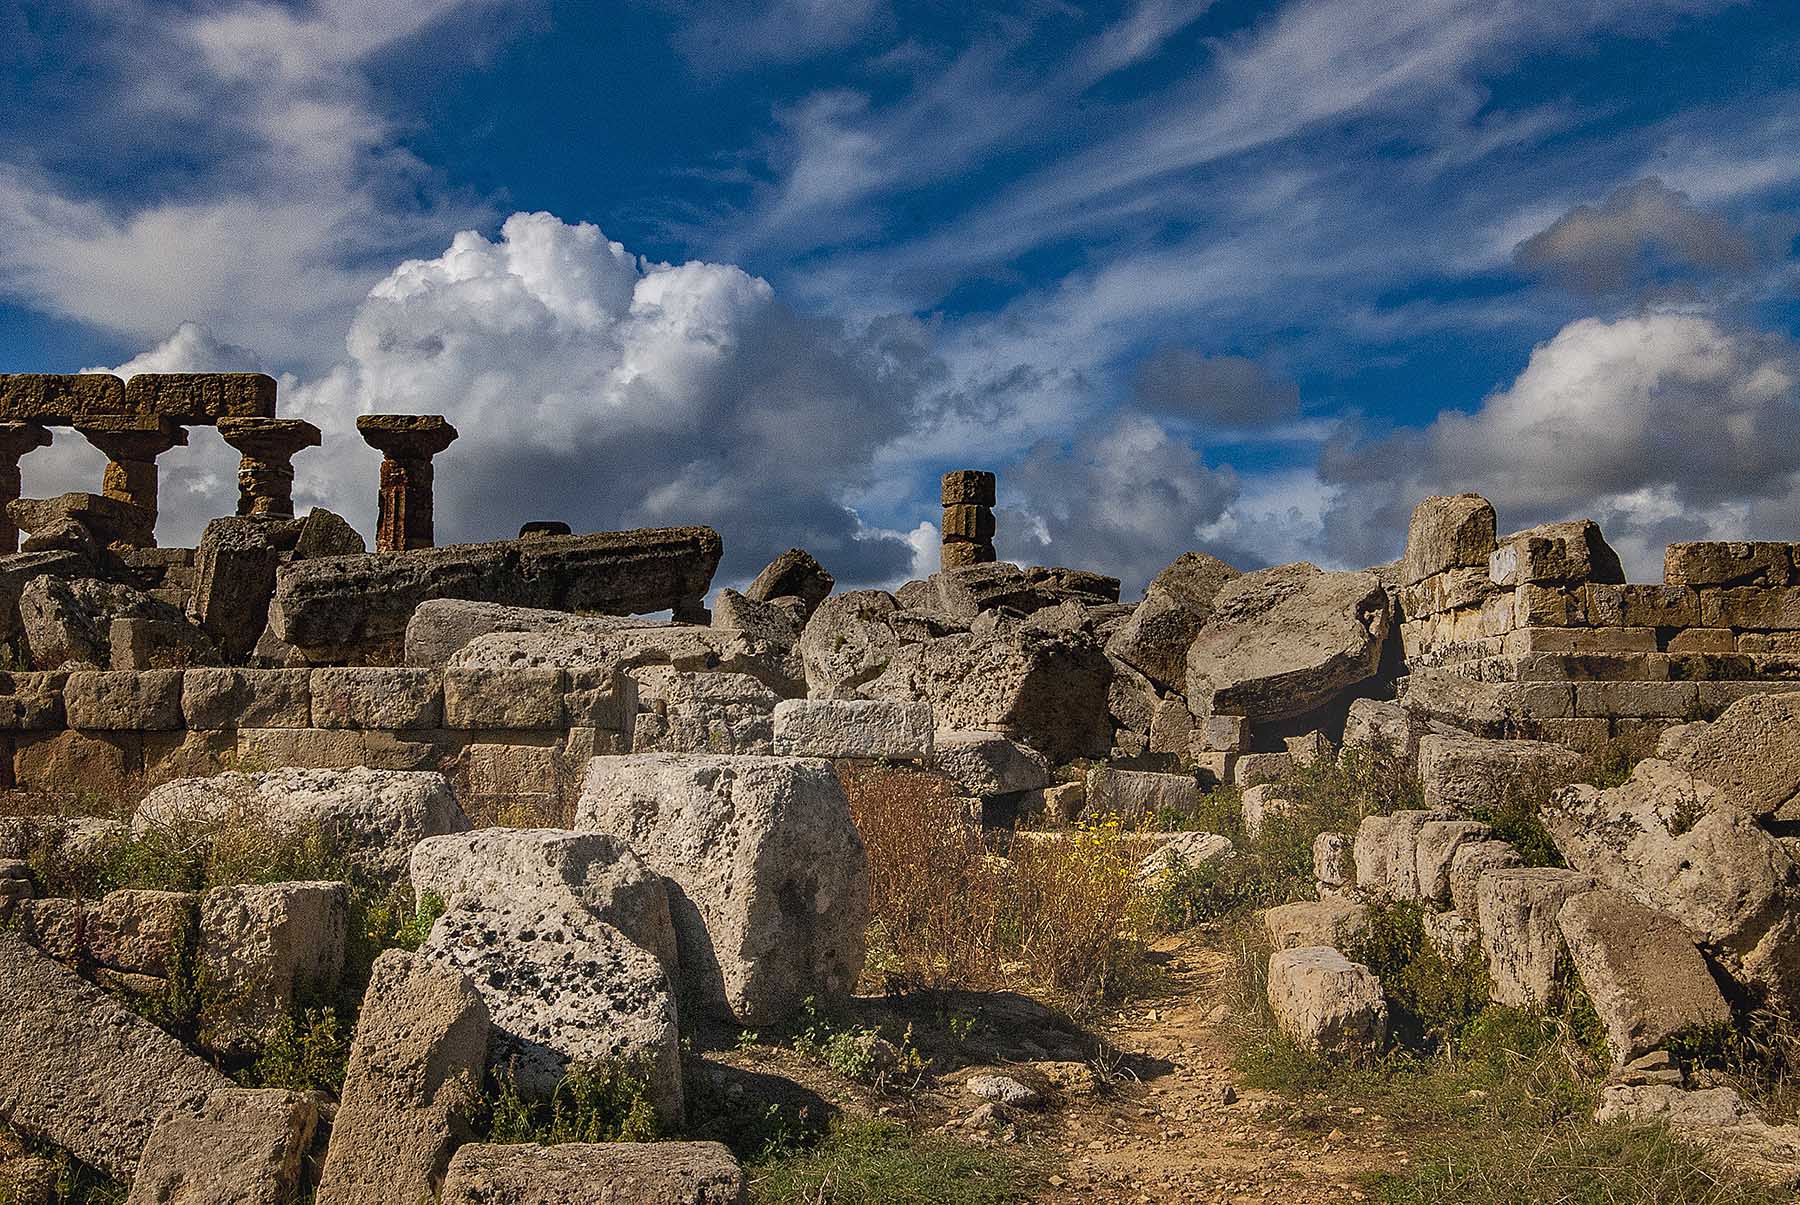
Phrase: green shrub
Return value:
(1431, 999)
(602, 1102)
(308, 1050)
(856, 1052)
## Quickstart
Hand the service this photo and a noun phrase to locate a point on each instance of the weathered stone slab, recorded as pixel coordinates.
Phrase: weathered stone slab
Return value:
(1728, 563)
(1339, 924)
(1466, 773)
(263, 949)
(1177, 603)
(477, 699)
(864, 728)
(59, 399)
(1438, 842)
(772, 876)
(131, 932)
(1129, 794)
(1326, 1002)
(1641, 970)
(124, 700)
(686, 712)
(849, 641)
(234, 579)
(413, 1085)
(442, 627)
(1517, 912)
(216, 699)
(97, 1077)
(201, 398)
(109, 520)
(1387, 854)
(598, 661)
(793, 574)
(1447, 533)
(242, 1146)
(988, 764)
(1751, 753)
(343, 602)
(383, 698)
(614, 1173)
(1469, 862)
(1574, 551)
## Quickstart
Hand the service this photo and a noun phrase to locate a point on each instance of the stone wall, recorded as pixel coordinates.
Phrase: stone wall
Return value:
(508, 737)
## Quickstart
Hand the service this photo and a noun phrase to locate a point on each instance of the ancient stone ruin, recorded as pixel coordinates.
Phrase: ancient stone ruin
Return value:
(636, 826)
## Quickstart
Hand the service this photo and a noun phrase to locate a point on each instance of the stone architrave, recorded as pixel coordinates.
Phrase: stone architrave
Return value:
(16, 439)
(266, 470)
(407, 442)
(131, 446)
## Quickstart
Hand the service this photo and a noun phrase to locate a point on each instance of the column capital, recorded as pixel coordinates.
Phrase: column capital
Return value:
(406, 436)
(133, 437)
(269, 438)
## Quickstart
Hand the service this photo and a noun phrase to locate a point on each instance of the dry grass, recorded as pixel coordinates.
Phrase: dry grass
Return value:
(945, 913)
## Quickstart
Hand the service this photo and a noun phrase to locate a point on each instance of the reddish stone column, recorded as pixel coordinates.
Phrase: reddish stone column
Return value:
(266, 470)
(132, 445)
(16, 439)
(407, 442)
(968, 530)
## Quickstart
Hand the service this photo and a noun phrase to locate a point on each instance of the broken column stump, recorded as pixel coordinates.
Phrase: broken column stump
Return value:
(407, 442)
(968, 529)
(16, 439)
(131, 446)
(266, 470)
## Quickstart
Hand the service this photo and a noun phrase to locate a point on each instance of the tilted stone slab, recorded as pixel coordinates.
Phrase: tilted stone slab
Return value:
(612, 1173)
(242, 1146)
(81, 1071)
(59, 399)
(201, 398)
(772, 881)
(340, 602)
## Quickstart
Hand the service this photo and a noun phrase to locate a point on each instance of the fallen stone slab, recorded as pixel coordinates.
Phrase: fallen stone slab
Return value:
(264, 949)
(1339, 924)
(1751, 753)
(412, 1087)
(1438, 841)
(989, 764)
(242, 1146)
(854, 728)
(598, 870)
(1387, 854)
(108, 519)
(1129, 794)
(1154, 639)
(1180, 850)
(1572, 551)
(1470, 861)
(598, 661)
(848, 642)
(1382, 729)
(96, 1077)
(1265, 802)
(1327, 1003)
(682, 712)
(793, 574)
(563, 990)
(1465, 773)
(1284, 641)
(771, 877)
(442, 627)
(1642, 971)
(612, 1173)
(339, 603)
(1517, 911)
(372, 818)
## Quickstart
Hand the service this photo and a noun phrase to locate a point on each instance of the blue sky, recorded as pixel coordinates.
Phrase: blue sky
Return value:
(1248, 277)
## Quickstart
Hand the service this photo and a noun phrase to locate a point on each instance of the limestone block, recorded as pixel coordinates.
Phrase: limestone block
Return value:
(172, 755)
(1705, 640)
(663, 1173)
(1728, 563)
(58, 398)
(1641, 970)
(563, 989)
(1326, 1002)
(966, 521)
(1263, 803)
(201, 398)
(1451, 935)
(1339, 924)
(1334, 860)
(777, 623)
(864, 728)
(413, 1084)
(1173, 728)
(987, 763)
(1387, 850)
(702, 713)
(376, 698)
(1469, 862)
(131, 931)
(1751, 753)
(1641, 606)
(241, 1146)
(1517, 912)
(137, 643)
(263, 949)
(97, 1077)
(967, 486)
(107, 764)
(497, 699)
(1129, 794)
(1438, 842)
(497, 777)
(1574, 551)
(1525, 641)
(598, 871)
(234, 579)
(793, 574)
(1551, 606)
(1636, 700)
(1466, 774)
(773, 878)
(1382, 729)
(1172, 850)
(216, 699)
(1447, 533)
(32, 702)
(1177, 603)
(1751, 608)
(124, 700)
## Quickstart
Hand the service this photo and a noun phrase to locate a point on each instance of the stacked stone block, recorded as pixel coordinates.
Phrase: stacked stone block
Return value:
(968, 528)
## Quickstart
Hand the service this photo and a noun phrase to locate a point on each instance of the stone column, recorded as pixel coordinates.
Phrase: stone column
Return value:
(968, 530)
(407, 442)
(266, 470)
(132, 445)
(16, 439)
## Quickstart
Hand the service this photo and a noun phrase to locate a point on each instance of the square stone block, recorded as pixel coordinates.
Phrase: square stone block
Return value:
(485, 699)
(124, 700)
(384, 698)
(106, 764)
(247, 698)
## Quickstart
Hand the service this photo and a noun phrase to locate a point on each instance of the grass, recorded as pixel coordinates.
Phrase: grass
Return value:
(878, 1162)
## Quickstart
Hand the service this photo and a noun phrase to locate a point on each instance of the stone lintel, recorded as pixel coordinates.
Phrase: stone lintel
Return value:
(201, 398)
(59, 399)
(406, 436)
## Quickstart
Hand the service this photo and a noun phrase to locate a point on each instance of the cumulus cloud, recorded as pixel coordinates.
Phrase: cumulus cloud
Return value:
(1223, 391)
(1645, 235)
(610, 392)
(1125, 500)
(1662, 425)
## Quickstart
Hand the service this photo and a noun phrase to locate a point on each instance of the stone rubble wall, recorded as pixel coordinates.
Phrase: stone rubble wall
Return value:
(506, 737)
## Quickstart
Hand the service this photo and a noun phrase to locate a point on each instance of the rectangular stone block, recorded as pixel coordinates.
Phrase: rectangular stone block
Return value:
(1715, 697)
(1637, 700)
(1586, 735)
(1499, 615)
(172, 755)
(968, 486)
(853, 728)
(597, 700)
(1227, 733)
(1654, 606)
(124, 700)
(1707, 640)
(261, 749)
(1751, 608)
(201, 398)
(384, 698)
(1254, 768)
(1536, 606)
(960, 554)
(247, 1146)
(512, 784)
(1213, 767)
(32, 702)
(1778, 644)
(1728, 563)
(967, 521)
(108, 764)
(1528, 640)
(246, 698)
(476, 699)
(1517, 911)
(59, 399)
(1538, 700)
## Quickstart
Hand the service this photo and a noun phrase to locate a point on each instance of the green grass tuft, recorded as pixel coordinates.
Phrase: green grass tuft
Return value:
(874, 1162)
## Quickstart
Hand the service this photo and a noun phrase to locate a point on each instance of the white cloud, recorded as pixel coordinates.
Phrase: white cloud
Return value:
(1644, 235)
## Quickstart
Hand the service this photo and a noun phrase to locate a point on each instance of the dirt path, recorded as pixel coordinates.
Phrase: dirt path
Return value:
(1173, 1137)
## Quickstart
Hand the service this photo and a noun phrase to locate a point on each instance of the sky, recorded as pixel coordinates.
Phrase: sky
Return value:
(1250, 278)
